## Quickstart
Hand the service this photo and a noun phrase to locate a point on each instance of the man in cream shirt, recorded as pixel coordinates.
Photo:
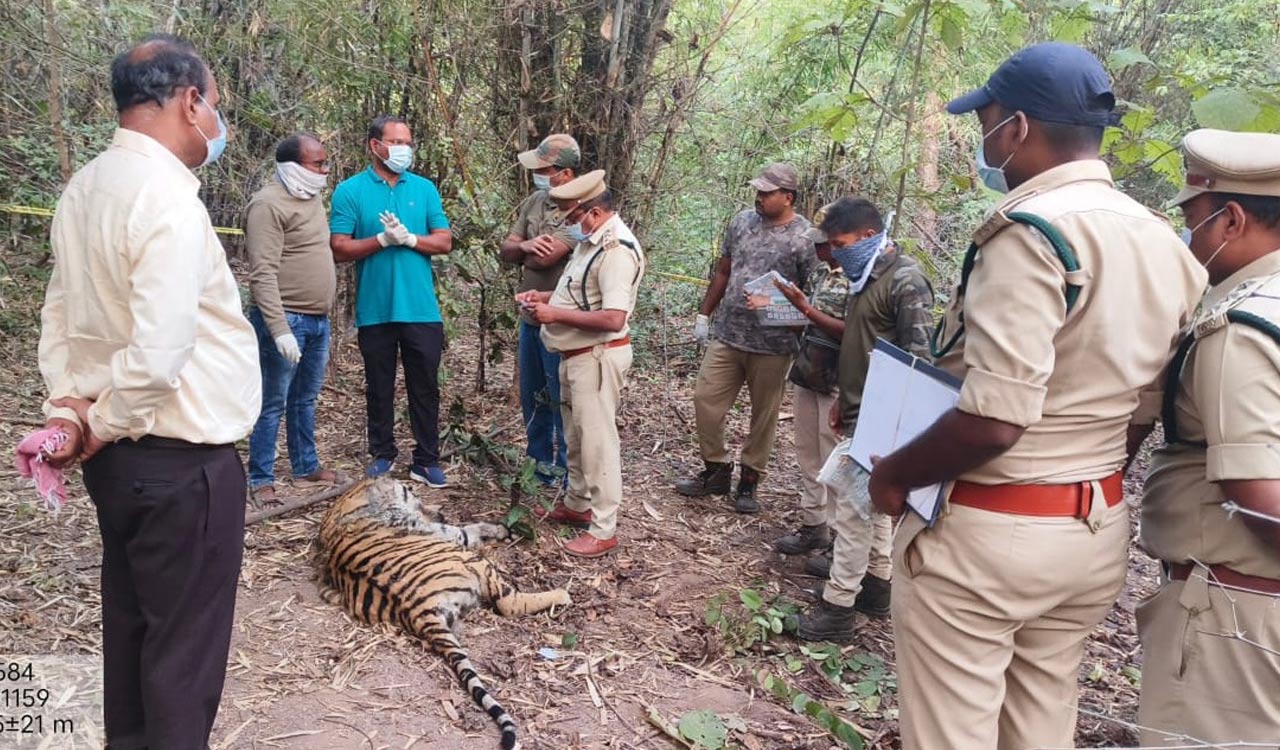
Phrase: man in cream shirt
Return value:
(587, 321)
(152, 370)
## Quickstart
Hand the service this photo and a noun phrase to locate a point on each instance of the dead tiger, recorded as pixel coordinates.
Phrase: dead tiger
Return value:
(385, 560)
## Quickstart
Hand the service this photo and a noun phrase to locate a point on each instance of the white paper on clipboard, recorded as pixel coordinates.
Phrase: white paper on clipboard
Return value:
(902, 397)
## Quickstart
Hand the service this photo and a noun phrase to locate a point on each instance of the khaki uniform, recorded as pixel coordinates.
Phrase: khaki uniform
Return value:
(991, 610)
(603, 273)
(896, 305)
(1194, 681)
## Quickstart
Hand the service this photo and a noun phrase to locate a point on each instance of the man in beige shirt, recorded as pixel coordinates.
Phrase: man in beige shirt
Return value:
(587, 321)
(1211, 509)
(291, 277)
(1069, 305)
(152, 371)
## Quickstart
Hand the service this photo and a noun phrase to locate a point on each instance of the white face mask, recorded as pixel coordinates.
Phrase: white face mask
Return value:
(399, 157)
(1188, 233)
(299, 181)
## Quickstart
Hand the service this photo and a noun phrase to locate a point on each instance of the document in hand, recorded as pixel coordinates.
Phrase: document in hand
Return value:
(902, 397)
(774, 309)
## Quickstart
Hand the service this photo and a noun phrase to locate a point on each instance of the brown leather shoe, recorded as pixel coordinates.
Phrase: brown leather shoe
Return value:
(260, 497)
(588, 546)
(564, 514)
(323, 476)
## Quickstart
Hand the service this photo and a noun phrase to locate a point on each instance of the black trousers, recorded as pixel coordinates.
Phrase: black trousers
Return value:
(171, 516)
(419, 346)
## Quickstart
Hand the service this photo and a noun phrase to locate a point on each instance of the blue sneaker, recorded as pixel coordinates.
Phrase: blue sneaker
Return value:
(432, 476)
(379, 467)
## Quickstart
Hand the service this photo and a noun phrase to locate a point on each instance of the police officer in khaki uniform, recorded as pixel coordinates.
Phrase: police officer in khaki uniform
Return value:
(1222, 433)
(586, 321)
(1069, 306)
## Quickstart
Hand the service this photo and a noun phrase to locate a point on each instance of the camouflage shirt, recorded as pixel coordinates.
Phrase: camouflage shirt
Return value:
(818, 362)
(897, 306)
(755, 249)
(538, 215)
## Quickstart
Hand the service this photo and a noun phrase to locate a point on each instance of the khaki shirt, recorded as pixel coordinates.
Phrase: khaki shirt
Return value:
(603, 273)
(290, 263)
(896, 305)
(1072, 380)
(142, 314)
(538, 215)
(1228, 398)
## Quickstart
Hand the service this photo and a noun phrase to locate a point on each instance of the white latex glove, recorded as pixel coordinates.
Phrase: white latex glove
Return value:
(395, 232)
(702, 329)
(287, 345)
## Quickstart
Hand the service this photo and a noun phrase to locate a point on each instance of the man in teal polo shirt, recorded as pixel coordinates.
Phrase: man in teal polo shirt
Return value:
(390, 221)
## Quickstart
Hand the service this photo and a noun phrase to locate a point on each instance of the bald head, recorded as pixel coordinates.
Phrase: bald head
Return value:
(153, 70)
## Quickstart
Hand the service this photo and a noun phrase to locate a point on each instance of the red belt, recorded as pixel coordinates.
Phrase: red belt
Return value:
(608, 345)
(1069, 500)
(1227, 577)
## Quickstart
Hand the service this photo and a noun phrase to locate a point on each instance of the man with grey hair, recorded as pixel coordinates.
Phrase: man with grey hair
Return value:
(152, 374)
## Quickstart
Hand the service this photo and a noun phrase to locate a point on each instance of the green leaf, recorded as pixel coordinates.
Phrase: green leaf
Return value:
(704, 728)
(849, 736)
(1097, 674)
(871, 704)
(569, 640)
(1126, 58)
(1132, 674)
(798, 702)
(866, 687)
(751, 599)
(1226, 109)
(776, 625)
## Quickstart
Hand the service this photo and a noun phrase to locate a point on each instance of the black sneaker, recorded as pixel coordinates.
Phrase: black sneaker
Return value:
(713, 480)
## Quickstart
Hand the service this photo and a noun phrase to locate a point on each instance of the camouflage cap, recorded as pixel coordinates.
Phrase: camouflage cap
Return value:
(777, 176)
(814, 233)
(556, 150)
(582, 188)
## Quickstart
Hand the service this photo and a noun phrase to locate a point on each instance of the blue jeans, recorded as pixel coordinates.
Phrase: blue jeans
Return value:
(288, 391)
(540, 402)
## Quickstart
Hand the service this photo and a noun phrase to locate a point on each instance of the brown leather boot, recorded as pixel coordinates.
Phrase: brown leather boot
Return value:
(562, 513)
(588, 546)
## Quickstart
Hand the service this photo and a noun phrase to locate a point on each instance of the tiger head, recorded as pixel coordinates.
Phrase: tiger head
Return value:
(385, 500)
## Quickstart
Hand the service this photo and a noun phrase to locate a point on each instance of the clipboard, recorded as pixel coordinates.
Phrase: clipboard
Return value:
(903, 396)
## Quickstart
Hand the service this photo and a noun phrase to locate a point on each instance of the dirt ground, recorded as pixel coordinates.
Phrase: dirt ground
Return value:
(304, 675)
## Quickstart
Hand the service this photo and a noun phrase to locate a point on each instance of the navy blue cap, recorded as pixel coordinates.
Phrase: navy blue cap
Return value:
(1049, 82)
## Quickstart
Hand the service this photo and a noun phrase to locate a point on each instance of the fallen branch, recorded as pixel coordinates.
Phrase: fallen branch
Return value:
(292, 505)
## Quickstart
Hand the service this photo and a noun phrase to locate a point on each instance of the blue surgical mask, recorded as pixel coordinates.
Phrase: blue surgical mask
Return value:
(213, 146)
(1187, 233)
(542, 181)
(993, 177)
(577, 232)
(856, 259)
(399, 157)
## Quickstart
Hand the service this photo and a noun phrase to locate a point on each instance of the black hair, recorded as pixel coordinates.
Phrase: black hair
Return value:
(1265, 209)
(849, 215)
(1064, 139)
(153, 69)
(290, 149)
(603, 200)
(380, 123)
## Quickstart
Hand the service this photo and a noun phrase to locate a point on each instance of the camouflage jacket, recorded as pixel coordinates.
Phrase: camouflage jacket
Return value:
(817, 364)
(755, 249)
(897, 306)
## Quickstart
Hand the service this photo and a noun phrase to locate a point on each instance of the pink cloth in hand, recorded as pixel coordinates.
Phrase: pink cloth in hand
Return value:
(49, 481)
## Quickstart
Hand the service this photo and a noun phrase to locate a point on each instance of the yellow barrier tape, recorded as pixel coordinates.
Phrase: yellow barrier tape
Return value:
(11, 208)
(682, 277)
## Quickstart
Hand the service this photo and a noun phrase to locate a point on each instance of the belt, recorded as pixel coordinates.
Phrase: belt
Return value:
(155, 441)
(1060, 500)
(608, 345)
(1227, 577)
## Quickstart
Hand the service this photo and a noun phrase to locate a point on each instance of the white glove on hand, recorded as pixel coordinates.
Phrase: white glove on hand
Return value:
(395, 233)
(287, 345)
(702, 329)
